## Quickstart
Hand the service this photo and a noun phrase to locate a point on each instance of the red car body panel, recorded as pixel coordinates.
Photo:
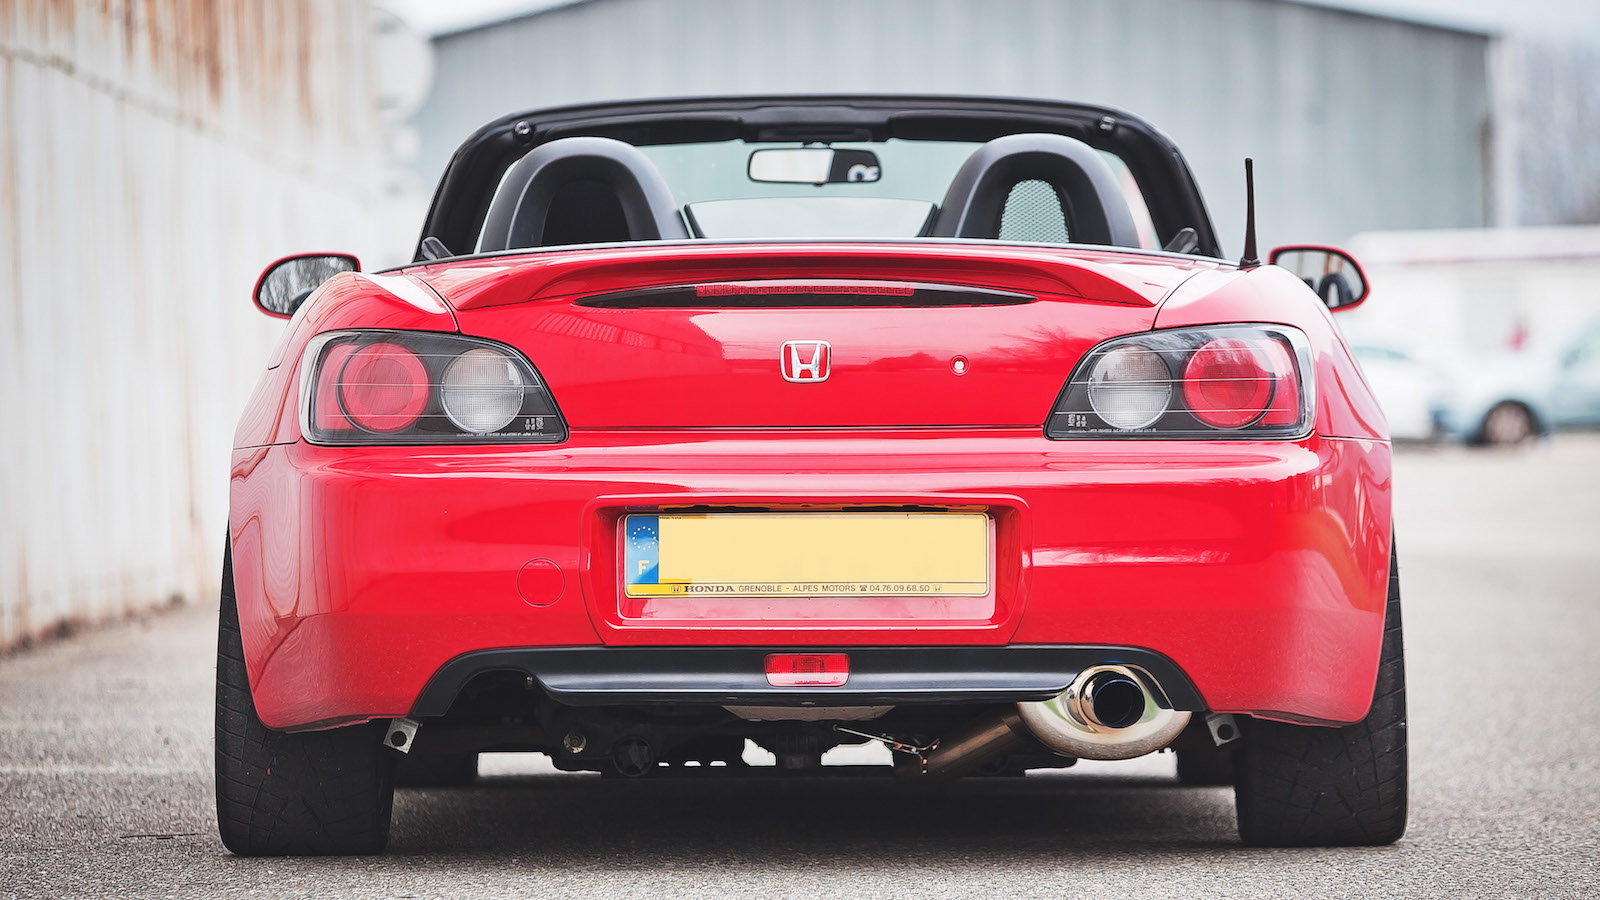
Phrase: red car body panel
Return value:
(1105, 277)
(1258, 567)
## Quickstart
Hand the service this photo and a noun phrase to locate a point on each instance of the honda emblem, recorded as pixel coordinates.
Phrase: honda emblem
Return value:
(804, 362)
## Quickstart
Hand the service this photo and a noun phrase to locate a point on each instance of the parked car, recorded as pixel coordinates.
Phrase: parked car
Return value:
(1575, 385)
(1498, 401)
(939, 422)
(1513, 398)
(1415, 396)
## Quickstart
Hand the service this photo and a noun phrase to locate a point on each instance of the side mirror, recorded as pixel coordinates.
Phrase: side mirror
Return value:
(288, 282)
(1334, 274)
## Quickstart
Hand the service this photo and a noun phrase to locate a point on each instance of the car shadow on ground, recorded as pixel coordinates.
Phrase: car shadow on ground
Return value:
(589, 820)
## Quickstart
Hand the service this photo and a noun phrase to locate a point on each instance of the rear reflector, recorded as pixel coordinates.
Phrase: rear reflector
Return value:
(807, 669)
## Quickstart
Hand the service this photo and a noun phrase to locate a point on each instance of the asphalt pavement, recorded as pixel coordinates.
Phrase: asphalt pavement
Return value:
(105, 766)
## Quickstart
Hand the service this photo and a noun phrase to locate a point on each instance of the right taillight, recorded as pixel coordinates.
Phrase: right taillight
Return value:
(1223, 381)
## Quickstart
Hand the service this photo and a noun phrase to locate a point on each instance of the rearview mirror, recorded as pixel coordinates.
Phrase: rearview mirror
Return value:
(288, 282)
(813, 165)
(1334, 274)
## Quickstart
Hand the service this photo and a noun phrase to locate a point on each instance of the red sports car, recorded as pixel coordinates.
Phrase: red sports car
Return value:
(805, 421)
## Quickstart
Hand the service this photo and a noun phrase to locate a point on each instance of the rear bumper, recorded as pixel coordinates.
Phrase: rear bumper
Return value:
(1257, 569)
(733, 676)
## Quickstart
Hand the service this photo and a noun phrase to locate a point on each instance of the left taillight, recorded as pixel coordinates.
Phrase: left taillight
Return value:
(1222, 381)
(417, 387)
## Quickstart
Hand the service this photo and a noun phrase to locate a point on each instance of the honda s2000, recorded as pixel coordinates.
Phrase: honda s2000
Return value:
(809, 421)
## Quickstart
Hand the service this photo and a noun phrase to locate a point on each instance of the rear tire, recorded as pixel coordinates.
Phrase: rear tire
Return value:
(437, 770)
(1308, 785)
(281, 794)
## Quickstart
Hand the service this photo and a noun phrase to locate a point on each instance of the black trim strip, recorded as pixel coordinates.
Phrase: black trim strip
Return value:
(804, 293)
(614, 676)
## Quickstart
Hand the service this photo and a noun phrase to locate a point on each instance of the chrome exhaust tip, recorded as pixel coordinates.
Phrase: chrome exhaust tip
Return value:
(1113, 700)
(1108, 712)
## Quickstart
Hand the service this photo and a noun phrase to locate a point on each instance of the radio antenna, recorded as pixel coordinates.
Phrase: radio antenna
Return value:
(1249, 260)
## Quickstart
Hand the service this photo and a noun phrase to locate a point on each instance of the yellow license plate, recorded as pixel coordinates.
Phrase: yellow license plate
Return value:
(832, 554)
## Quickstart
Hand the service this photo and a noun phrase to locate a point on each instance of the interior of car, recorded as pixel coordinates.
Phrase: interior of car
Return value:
(1028, 187)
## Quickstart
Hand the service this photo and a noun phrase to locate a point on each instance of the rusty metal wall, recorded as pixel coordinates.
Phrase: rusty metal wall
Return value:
(154, 156)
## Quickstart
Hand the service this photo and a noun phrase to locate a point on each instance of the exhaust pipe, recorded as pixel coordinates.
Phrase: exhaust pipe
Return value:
(1108, 712)
(968, 751)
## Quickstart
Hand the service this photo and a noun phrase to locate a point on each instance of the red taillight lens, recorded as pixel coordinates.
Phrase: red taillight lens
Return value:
(1284, 409)
(807, 669)
(325, 412)
(1228, 382)
(383, 388)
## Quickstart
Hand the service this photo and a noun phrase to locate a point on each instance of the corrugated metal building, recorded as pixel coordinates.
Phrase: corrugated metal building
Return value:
(1357, 122)
(154, 156)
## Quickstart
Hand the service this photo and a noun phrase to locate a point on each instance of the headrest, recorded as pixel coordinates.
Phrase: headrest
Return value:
(520, 214)
(1091, 200)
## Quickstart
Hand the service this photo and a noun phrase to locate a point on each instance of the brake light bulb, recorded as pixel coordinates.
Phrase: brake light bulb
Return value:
(1228, 383)
(383, 388)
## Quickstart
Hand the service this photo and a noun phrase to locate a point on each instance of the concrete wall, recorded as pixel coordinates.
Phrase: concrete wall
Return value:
(154, 156)
(1356, 122)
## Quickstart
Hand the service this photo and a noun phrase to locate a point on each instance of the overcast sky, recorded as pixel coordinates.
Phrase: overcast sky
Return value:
(1567, 19)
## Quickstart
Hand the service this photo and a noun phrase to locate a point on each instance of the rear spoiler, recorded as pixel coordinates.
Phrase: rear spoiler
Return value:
(568, 273)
